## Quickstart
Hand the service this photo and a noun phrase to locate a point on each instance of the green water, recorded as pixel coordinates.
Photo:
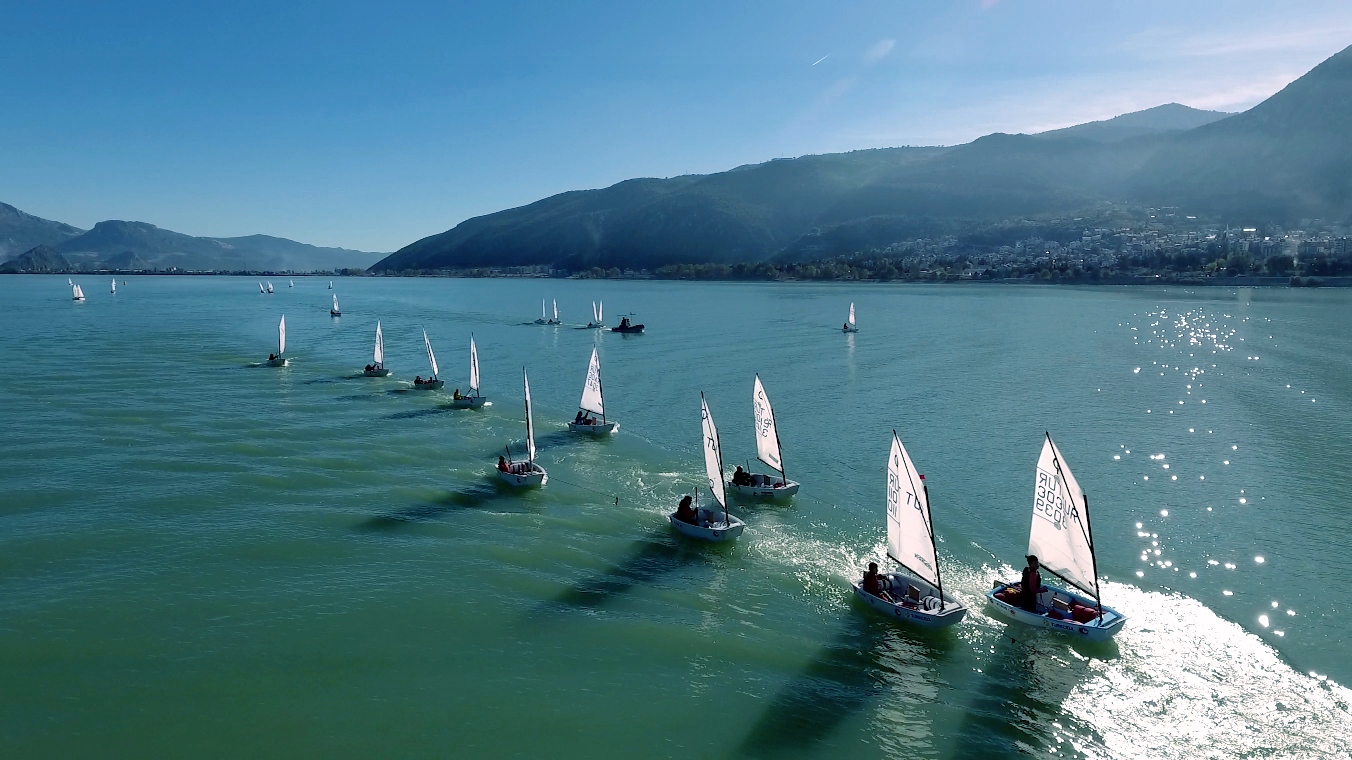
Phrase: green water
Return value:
(201, 557)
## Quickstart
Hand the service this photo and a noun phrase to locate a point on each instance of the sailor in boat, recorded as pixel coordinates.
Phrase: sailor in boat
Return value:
(846, 327)
(686, 513)
(502, 464)
(272, 357)
(741, 477)
(456, 396)
(873, 583)
(624, 323)
(418, 380)
(1030, 585)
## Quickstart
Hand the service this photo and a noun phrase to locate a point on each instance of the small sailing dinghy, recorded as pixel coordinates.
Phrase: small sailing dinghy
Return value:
(292, 284)
(542, 320)
(757, 485)
(269, 286)
(917, 595)
(76, 292)
(709, 524)
(850, 325)
(1063, 542)
(527, 473)
(433, 383)
(555, 320)
(592, 403)
(377, 368)
(262, 289)
(278, 360)
(473, 400)
(114, 291)
(598, 315)
(335, 311)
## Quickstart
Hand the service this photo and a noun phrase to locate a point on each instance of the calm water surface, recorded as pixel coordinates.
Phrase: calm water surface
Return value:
(201, 557)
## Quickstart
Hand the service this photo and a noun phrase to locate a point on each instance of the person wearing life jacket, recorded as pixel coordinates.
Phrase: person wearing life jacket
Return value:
(873, 583)
(686, 513)
(1031, 585)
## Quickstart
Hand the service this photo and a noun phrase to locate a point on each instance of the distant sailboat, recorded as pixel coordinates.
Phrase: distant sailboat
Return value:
(269, 286)
(335, 311)
(378, 366)
(278, 360)
(555, 320)
(473, 400)
(262, 289)
(593, 403)
(598, 315)
(850, 326)
(767, 451)
(709, 524)
(542, 320)
(76, 292)
(1063, 542)
(292, 284)
(114, 291)
(330, 284)
(526, 473)
(433, 383)
(916, 596)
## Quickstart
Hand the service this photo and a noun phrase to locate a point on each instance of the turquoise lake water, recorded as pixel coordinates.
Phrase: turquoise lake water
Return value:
(202, 557)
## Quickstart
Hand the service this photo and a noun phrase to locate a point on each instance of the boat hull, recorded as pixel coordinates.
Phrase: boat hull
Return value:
(435, 385)
(630, 329)
(602, 428)
(1099, 629)
(541, 322)
(376, 373)
(532, 475)
(278, 362)
(715, 532)
(922, 614)
(333, 313)
(476, 402)
(766, 490)
(850, 330)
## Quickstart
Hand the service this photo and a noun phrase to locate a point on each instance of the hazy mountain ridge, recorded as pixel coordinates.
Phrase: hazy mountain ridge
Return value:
(1286, 159)
(116, 244)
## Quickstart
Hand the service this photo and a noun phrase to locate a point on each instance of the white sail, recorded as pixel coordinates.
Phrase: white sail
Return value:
(76, 292)
(767, 435)
(335, 302)
(530, 424)
(556, 309)
(431, 357)
(1060, 534)
(851, 314)
(292, 285)
(543, 314)
(269, 286)
(281, 336)
(910, 534)
(595, 318)
(262, 289)
(591, 389)
(601, 311)
(473, 366)
(713, 455)
(330, 284)
(114, 291)
(380, 346)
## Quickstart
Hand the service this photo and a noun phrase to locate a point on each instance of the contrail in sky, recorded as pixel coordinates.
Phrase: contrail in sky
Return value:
(819, 60)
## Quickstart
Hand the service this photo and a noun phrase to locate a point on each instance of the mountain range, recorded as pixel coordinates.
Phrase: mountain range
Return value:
(1285, 160)
(138, 245)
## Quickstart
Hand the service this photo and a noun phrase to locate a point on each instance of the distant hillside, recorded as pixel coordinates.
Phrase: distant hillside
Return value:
(20, 232)
(1171, 117)
(40, 258)
(116, 244)
(1284, 160)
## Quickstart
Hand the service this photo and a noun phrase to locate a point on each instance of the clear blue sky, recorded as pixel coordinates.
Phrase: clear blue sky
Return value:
(370, 125)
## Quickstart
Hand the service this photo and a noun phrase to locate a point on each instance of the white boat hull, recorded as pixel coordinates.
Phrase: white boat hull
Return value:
(278, 362)
(476, 402)
(925, 614)
(435, 385)
(766, 489)
(600, 428)
(377, 373)
(528, 474)
(541, 322)
(715, 529)
(1099, 629)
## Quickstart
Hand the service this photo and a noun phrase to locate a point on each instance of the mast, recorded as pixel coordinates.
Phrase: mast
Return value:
(1093, 555)
(600, 391)
(938, 574)
(779, 446)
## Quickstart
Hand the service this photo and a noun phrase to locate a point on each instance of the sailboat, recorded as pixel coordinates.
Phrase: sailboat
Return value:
(710, 525)
(849, 324)
(767, 451)
(76, 292)
(542, 320)
(433, 383)
(555, 320)
(473, 400)
(269, 286)
(292, 284)
(598, 315)
(378, 366)
(262, 289)
(335, 311)
(526, 473)
(277, 360)
(1063, 542)
(330, 284)
(917, 595)
(592, 402)
(114, 291)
